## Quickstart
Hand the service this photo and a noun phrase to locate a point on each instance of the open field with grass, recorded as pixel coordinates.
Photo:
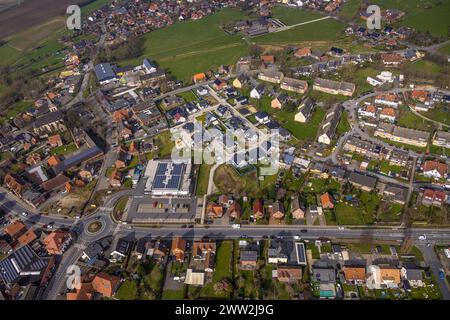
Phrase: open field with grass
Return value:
(422, 15)
(302, 131)
(445, 49)
(425, 66)
(291, 16)
(202, 180)
(440, 113)
(408, 119)
(349, 9)
(324, 30)
(348, 215)
(190, 47)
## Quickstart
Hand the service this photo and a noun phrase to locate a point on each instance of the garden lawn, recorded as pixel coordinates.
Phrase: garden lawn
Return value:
(347, 215)
(127, 290)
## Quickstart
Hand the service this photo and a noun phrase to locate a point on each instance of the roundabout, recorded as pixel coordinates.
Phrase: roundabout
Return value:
(94, 227)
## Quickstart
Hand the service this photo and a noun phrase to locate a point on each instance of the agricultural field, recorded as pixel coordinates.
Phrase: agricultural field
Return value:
(349, 10)
(422, 15)
(291, 16)
(324, 30)
(190, 47)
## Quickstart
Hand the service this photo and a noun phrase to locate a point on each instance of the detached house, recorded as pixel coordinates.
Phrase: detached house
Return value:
(277, 210)
(279, 101)
(328, 130)
(305, 110)
(435, 169)
(297, 211)
(204, 254)
(257, 92)
(178, 249)
(57, 242)
(240, 81)
(258, 209)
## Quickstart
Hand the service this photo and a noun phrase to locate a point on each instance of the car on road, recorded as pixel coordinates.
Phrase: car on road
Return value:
(49, 225)
(25, 214)
(296, 237)
(441, 274)
(303, 231)
(341, 228)
(422, 237)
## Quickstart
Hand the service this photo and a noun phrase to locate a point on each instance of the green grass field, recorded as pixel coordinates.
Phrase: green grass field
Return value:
(190, 47)
(439, 113)
(349, 9)
(347, 215)
(424, 66)
(291, 16)
(445, 49)
(324, 30)
(302, 131)
(202, 180)
(409, 120)
(422, 15)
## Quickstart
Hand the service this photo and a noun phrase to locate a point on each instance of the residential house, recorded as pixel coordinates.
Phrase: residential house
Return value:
(328, 130)
(303, 52)
(203, 253)
(396, 194)
(368, 111)
(289, 274)
(234, 211)
(105, 73)
(55, 141)
(286, 252)
(279, 101)
(56, 242)
(435, 169)
(334, 87)
(258, 209)
(327, 201)
(115, 180)
(105, 284)
(178, 249)
(214, 210)
(362, 181)
(119, 250)
(257, 92)
(388, 114)
(442, 139)
(262, 117)
(297, 211)
(388, 99)
(413, 277)
(271, 76)
(248, 259)
(277, 210)
(240, 81)
(294, 85)
(392, 59)
(354, 274)
(305, 110)
(433, 198)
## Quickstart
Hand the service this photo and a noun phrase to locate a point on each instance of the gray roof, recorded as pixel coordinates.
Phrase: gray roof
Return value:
(22, 262)
(324, 275)
(48, 118)
(363, 180)
(104, 72)
(249, 255)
